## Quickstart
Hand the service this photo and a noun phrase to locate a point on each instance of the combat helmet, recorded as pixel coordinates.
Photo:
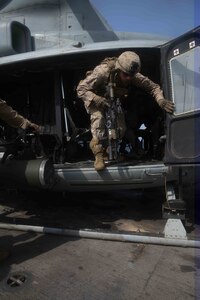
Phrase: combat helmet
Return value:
(128, 62)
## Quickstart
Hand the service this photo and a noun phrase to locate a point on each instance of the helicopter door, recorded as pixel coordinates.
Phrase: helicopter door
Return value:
(181, 84)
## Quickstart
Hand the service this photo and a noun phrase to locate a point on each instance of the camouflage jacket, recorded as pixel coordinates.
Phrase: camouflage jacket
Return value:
(11, 117)
(96, 82)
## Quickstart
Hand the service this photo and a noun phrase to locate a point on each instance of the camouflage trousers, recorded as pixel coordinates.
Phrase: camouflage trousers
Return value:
(98, 124)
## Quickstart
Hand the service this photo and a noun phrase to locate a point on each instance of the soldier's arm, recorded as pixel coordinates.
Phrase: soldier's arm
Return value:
(148, 85)
(87, 88)
(12, 118)
(153, 89)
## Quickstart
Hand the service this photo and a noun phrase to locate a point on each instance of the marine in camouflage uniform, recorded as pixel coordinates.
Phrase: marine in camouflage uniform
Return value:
(124, 71)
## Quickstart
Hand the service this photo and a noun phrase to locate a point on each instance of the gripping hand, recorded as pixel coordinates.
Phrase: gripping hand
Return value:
(101, 102)
(34, 127)
(167, 105)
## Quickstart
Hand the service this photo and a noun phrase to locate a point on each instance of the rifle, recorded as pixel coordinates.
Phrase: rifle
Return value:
(111, 124)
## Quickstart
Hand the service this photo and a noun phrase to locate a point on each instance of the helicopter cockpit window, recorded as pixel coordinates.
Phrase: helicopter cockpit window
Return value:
(185, 78)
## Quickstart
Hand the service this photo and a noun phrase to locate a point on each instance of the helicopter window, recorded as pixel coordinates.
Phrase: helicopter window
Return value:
(185, 77)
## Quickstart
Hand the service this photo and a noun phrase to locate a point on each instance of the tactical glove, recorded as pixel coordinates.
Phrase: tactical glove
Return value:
(167, 105)
(101, 102)
(34, 127)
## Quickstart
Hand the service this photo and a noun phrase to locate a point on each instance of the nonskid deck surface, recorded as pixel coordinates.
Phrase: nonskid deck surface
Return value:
(44, 266)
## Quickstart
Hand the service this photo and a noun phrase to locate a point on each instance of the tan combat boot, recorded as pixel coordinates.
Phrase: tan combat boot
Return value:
(97, 150)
